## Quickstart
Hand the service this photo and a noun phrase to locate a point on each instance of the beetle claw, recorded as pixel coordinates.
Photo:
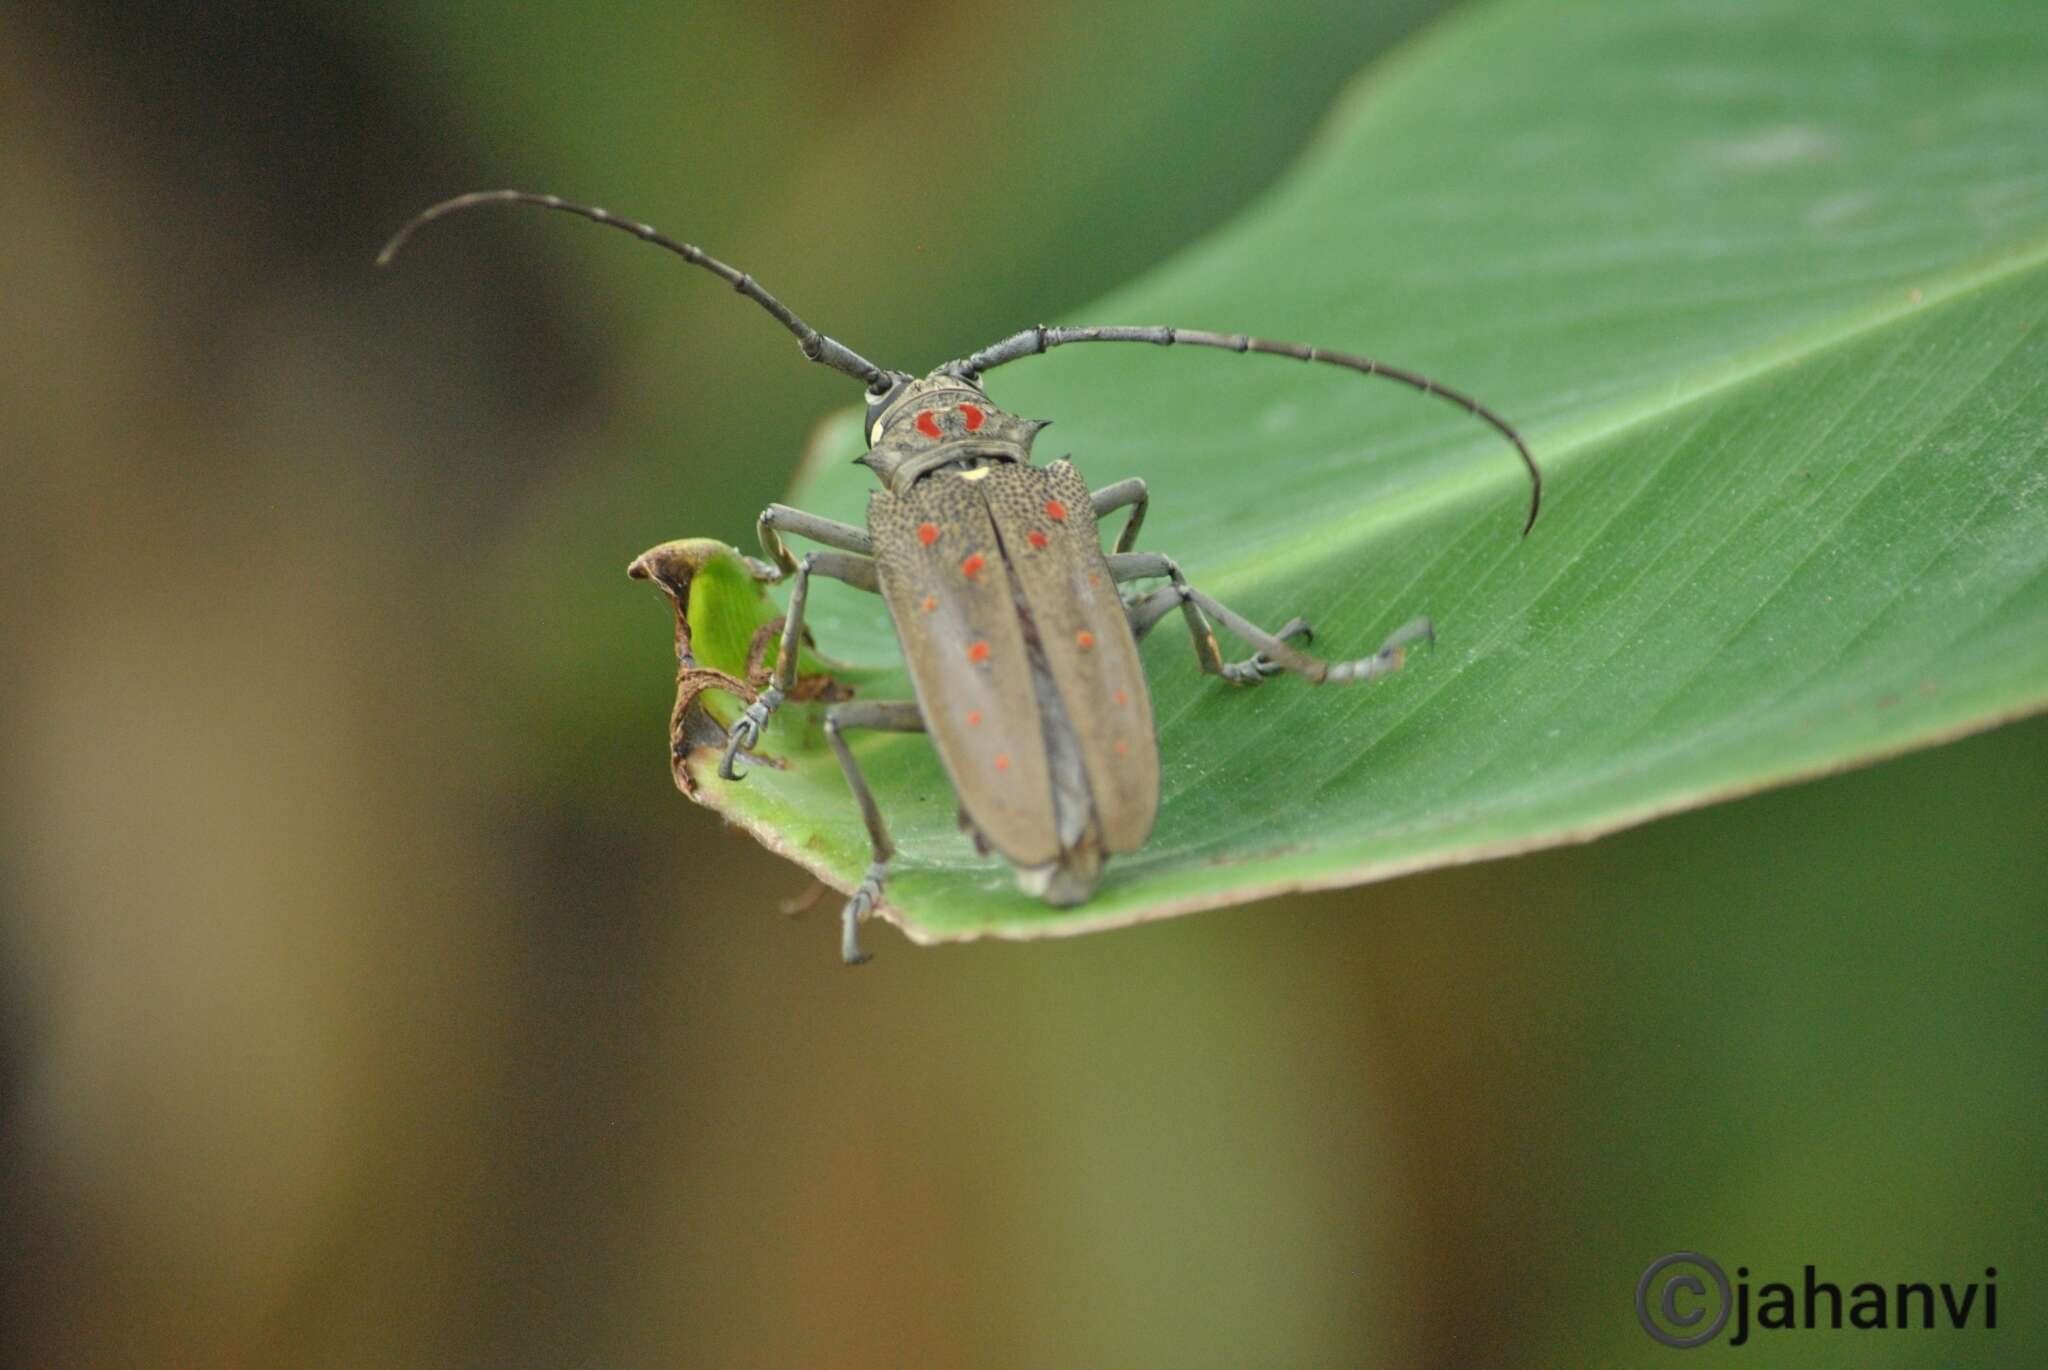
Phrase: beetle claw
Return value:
(746, 731)
(856, 910)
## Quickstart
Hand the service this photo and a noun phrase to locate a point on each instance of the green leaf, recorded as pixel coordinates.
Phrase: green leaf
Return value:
(1763, 284)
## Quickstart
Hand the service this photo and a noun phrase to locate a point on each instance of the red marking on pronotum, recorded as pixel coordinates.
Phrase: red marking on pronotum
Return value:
(1037, 539)
(928, 425)
(972, 566)
(1056, 511)
(927, 533)
(977, 651)
(973, 416)
(1084, 639)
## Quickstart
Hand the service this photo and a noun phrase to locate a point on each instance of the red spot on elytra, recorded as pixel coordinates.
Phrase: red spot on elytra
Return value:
(1123, 748)
(931, 602)
(973, 416)
(927, 533)
(1122, 698)
(973, 718)
(972, 566)
(1056, 511)
(1084, 639)
(1037, 539)
(928, 425)
(1002, 761)
(977, 651)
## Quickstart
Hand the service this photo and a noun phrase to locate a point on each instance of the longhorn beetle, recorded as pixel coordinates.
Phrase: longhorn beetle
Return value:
(1022, 651)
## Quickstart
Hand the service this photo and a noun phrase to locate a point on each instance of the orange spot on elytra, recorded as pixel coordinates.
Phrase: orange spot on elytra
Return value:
(927, 533)
(931, 602)
(973, 415)
(1123, 748)
(972, 566)
(973, 718)
(1056, 511)
(1037, 539)
(1122, 698)
(1084, 639)
(1002, 761)
(1095, 580)
(928, 425)
(977, 651)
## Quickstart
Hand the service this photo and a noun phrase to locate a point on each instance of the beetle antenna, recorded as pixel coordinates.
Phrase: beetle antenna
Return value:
(814, 345)
(1032, 341)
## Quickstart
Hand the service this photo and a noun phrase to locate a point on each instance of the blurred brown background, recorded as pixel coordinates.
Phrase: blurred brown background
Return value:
(369, 996)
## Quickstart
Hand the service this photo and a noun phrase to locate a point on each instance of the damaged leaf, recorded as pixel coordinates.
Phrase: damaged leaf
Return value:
(725, 621)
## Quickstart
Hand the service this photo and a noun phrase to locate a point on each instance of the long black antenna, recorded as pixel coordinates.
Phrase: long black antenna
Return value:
(1032, 341)
(814, 345)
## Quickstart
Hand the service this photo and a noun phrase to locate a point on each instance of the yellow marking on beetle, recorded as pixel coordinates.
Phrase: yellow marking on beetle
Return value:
(976, 473)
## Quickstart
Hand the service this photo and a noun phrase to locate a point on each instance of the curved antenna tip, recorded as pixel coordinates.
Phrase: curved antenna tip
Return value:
(434, 211)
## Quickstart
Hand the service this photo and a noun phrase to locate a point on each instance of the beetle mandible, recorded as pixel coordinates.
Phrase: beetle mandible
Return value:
(1022, 650)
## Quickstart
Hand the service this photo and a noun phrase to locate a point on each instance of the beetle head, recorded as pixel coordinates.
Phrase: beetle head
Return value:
(916, 427)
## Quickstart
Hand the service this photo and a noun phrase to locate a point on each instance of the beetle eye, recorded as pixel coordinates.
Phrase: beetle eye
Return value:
(878, 402)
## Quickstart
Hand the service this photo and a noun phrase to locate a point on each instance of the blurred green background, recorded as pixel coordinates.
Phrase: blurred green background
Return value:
(370, 997)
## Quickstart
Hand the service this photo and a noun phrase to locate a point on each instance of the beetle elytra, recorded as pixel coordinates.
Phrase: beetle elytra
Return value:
(1022, 649)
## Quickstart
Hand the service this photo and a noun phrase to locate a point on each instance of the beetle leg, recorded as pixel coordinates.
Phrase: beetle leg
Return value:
(896, 716)
(1125, 566)
(1274, 653)
(1146, 611)
(831, 532)
(1258, 666)
(858, 572)
(1112, 497)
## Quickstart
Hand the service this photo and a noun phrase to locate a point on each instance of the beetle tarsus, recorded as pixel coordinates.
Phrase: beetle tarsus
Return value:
(746, 731)
(1388, 659)
(856, 910)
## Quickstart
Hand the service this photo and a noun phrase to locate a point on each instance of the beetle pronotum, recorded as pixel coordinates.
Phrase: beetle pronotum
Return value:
(1022, 651)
